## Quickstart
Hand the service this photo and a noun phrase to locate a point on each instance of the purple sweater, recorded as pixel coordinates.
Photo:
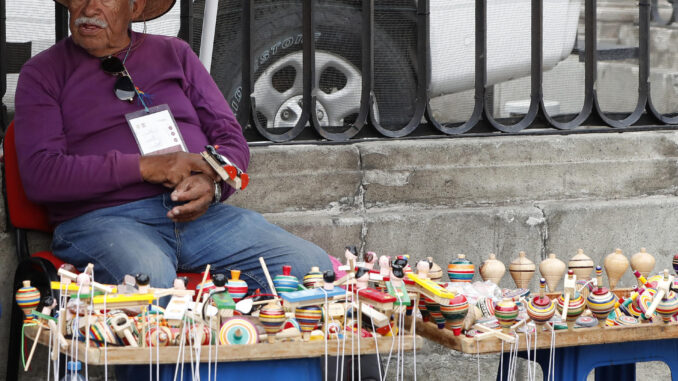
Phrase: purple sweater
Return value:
(76, 151)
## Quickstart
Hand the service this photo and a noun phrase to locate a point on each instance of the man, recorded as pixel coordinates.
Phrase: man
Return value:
(88, 112)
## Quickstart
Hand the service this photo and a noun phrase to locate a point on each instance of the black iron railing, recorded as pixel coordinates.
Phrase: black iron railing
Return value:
(482, 120)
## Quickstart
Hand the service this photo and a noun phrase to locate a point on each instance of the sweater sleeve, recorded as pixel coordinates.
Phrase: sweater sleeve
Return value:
(48, 172)
(216, 118)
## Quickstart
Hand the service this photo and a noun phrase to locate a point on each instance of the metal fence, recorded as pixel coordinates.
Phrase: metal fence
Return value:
(386, 77)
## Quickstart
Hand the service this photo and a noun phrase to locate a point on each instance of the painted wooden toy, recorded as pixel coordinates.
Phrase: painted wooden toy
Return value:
(436, 272)
(552, 269)
(285, 282)
(675, 263)
(541, 308)
(492, 269)
(668, 306)
(615, 266)
(601, 301)
(643, 304)
(461, 269)
(384, 266)
(570, 304)
(455, 313)
(123, 327)
(158, 335)
(272, 316)
(314, 278)
(238, 287)
(434, 312)
(643, 262)
(423, 267)
(362, 277)
(521, 270)
(308, 318)
(27, 298)
(143, 282)
(238, 331)
(506, 313)
(663, 288)
(370, 259)
(581, 264)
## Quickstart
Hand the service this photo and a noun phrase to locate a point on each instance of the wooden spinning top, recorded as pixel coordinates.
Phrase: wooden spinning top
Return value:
(461, 269)
(285, 282)
(521, 270)
(435, 273)
(272, 317)
(492, 269)
(615, 266)
(601, 300)
(237, 287)
(506, 313)
(642, 262)
(541, 308)
(581, 264)
(28, 298)
(552, 270)
(314, 278)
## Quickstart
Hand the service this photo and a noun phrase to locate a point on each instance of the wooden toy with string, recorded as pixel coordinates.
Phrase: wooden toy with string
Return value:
(226, 169)
(663, 288)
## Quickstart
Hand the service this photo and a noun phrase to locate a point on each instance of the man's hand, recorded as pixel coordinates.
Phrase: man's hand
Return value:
(172, 168)
(197, 191)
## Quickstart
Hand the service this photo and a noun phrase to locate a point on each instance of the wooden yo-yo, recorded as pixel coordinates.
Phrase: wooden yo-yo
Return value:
(285, 282)
(27, 298)
(435, 273)
(314, 278)
(236, 286)
(541, 308)
(506, 313)
(492, 269)
(642, 262)
(461, 269)
(308, 318)
(615, 266)
(600, 301)
(581, 264)
(272, 316)
(455, 313)
(521, 270)
(552, 270)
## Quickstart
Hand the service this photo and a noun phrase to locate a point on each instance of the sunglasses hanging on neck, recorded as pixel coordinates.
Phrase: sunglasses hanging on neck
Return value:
(124, 88)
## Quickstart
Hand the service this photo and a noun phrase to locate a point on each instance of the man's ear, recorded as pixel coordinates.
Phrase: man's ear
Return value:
(138, 8)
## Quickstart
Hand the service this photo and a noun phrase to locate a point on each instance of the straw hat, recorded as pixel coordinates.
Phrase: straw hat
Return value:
(152, 10)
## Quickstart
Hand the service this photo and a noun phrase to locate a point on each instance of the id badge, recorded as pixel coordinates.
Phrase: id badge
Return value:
(155, 131)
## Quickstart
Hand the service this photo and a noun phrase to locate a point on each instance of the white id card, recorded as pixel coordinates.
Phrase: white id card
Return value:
(156, 131)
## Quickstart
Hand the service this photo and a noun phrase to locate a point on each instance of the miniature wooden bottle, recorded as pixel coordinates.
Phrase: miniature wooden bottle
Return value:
(506, 313)
(272, 316)
(615, 266)
(601, 300)
(435, 273)
(461, 269)
(492, 269)
(643, 262)
(541, 308)
(552, 270)
(285, 282)
(521, 270)
(28, 298)
(455, 313)
(238, 287)
(581, 264)
(314, 278)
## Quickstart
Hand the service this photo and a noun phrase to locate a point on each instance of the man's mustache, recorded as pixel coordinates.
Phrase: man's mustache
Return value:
(91, 20)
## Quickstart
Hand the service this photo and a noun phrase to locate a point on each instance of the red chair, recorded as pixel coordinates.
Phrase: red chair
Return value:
(39, 267)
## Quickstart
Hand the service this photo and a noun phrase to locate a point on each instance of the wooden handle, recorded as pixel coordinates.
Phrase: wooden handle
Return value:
(566, 305)
(268, 276)
(35, 344)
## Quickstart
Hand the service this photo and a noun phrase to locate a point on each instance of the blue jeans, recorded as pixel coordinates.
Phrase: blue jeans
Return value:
(138, 237)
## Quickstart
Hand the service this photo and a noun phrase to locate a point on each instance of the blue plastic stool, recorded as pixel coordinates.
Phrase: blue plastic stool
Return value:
(616, 361)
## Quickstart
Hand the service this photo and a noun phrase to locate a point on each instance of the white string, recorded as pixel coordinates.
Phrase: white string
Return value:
(527, 348)
(376, 345)
(478, 356)
(49, 354)
(105, 325)
(552, 355)
(148, 342)
(87, 327)
(360, 331)
(327, 319)
(534, 363)
(393, 340)
(180, 352)
(209, 353)
(415, 309)
(76, 331)
(501, 362)
(216, 357)
(157, 338)
(340, 369)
